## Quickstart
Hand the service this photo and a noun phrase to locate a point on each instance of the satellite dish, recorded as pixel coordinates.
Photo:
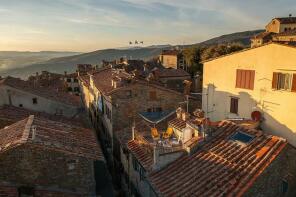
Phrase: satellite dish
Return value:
(130, 42)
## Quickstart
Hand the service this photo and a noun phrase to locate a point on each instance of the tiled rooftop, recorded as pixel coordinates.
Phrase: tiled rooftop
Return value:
(178, 123)
(51, 135)
(287, 20)
(103, 80)
(143, 155)
(11, 114)
(170, 52)
(263, 35)
(49, 92)
(221, 167)
(169, 72)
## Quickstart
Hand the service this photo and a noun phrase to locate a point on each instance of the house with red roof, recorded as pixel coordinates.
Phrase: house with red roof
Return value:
(39, 95)
(279, 29)
(42, 157)
(204, 158)
(114, 98)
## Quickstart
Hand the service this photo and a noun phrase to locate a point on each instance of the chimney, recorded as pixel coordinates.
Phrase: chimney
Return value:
(179, 112)
(37, 74)
(65, 73)
(133, 131)
(185, 116)
(33, 131)
(155, 157)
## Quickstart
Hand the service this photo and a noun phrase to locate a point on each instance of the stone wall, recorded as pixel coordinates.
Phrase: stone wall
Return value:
(18, 98)
(269, 183)
(125, 108)
(47, 170)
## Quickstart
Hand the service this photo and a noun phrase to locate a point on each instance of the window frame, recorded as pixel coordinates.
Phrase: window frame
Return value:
(284, 184)
(280, 81)
(234, 106)
(35, 101)
(245, 79)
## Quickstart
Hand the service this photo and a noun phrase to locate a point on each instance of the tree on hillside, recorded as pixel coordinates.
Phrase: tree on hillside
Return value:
(195, 55)
(219, 50)
(192, 58)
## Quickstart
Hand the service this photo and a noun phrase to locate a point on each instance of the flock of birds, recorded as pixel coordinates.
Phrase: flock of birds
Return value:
(136, 42)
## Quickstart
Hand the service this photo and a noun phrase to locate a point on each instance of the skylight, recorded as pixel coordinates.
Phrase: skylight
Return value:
(242, 137)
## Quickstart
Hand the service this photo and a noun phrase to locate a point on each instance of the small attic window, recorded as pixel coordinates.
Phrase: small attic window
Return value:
(242, 137)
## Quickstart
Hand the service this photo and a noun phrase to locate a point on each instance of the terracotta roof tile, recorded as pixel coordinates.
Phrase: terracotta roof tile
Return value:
(51, 135)
(142, 154)
(170, 52)
(220, 167)
(169, 72)
(103, 81)
(178, 123)
(46, 92)
(263, 35)
(287, 20)
(13, 114)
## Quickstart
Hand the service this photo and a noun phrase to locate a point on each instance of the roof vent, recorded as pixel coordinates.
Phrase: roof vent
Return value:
(33, 128)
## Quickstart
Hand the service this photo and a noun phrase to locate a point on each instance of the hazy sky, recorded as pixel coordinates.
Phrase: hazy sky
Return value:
(87, 25)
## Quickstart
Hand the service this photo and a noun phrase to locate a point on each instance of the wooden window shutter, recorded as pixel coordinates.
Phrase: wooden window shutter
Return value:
(252, 79)
(238, 78)
(247, 79)
(275, 80)
(243, 83)
(294, 83)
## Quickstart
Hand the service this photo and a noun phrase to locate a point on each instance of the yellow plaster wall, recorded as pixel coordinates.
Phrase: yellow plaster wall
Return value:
(278, 107)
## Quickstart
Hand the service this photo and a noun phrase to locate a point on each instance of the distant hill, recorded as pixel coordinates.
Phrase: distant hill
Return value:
(18, 59)
(239, 37)
(61, 64)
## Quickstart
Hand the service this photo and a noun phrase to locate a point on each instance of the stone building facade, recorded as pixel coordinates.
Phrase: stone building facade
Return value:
(42, 157)
(29, 95)
(115, 98)
(35, 170)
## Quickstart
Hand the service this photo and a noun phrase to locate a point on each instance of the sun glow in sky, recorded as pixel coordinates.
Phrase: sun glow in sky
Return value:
(87, 25)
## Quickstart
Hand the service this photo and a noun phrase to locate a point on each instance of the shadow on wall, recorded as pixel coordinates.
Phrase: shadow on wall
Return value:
(219, 104)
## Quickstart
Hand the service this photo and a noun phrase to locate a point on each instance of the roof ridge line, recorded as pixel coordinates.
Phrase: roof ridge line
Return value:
(27, 129)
